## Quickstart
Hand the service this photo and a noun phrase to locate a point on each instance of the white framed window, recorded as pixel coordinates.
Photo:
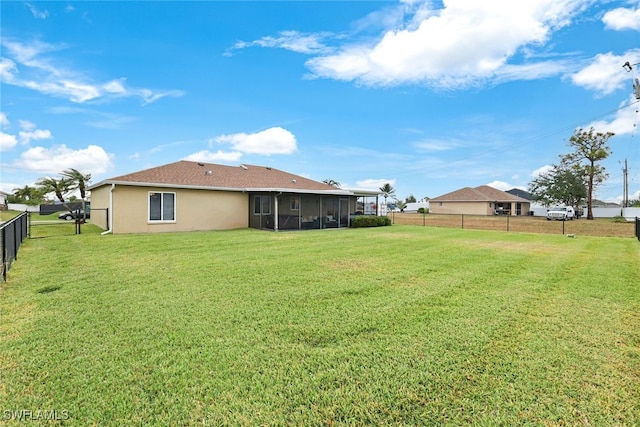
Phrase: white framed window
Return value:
(162, 207)
(295, 203)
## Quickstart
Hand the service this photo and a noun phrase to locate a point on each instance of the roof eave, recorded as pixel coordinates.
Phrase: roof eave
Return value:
(210, 188)
(164, 185)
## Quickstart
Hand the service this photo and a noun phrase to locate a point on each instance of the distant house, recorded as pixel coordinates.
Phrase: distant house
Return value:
(482, 200)
(521, 193)
(595, 203)
(535, 208)
(3, 200)
(414, 206)
(188, 196)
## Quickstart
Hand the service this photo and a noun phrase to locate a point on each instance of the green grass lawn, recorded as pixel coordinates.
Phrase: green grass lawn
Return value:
(396, 325)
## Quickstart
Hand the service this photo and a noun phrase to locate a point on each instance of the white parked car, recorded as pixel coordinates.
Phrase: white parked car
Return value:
(561, 213)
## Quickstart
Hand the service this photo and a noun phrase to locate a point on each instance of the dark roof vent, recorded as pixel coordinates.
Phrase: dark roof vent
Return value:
(200, 164)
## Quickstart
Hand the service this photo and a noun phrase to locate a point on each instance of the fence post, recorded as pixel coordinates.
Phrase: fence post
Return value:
(508, 223)
(4, 254)
(462, 215)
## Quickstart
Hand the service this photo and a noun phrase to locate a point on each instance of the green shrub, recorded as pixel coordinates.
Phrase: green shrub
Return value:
(423, 210)
(619, 218)
(370, 221)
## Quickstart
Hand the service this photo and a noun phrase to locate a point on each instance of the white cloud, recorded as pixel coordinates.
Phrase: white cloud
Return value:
(7, 141)
(624, 122)
(93, 159)
(4, 121)
(115, 86)
(218, 156)
(604, 74)
(288, 40)
(501, 185)
(150, 96)
(37, 13)
(275, 140)
(462, 44)
(623, 19)
(29, 132)
(373, 184)
(26, 125)
(27, 136)
(7, 70)
(39, 72)
(541, 171)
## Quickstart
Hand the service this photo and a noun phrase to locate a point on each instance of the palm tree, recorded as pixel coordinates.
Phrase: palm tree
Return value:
(26, 193)
(77, 181)
(58, 186)
(387, 190)
(331, 182)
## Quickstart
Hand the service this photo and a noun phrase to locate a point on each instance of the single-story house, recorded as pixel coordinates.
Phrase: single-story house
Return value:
(482, 200)
(3, 200)
(535, 207)
(414, 206)
(189, 196)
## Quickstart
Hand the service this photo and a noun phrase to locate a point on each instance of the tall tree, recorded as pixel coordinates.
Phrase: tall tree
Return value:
(77, 181)
(387, 190)
(589, 148)
(560, 185)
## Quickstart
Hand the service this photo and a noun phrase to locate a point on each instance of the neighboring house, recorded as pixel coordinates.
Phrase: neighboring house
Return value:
(189, 196)
(521, 193)
(535, 208)
(483, 200)
(412, 207)
(3, 200)
(595, 203)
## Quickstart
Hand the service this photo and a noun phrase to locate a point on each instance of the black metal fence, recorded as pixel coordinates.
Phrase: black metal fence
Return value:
(14, 232)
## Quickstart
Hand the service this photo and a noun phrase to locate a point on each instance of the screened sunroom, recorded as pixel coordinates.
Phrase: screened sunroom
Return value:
(297, 211)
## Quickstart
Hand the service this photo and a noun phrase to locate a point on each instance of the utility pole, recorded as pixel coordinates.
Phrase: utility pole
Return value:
(625, 186)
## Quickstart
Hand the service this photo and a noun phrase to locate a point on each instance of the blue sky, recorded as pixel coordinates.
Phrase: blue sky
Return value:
(429, 96)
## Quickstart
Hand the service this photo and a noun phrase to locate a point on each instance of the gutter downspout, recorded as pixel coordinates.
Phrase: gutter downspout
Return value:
(110, 211)
(275, 216)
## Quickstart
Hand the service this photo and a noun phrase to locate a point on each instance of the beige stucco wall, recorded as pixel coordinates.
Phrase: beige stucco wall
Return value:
(195, 209)
(472, 208)
(469, 208)
(99, 204)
